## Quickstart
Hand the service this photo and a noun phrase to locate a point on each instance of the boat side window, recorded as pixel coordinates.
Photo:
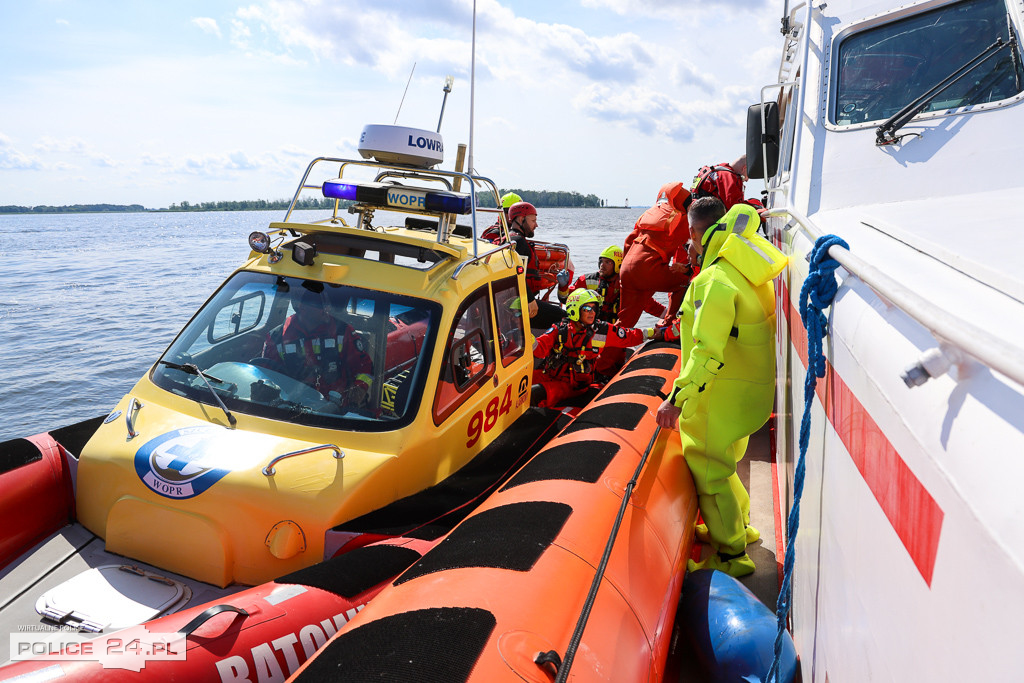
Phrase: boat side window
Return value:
(882, 69)
(508, 311)
(236, 324)
(243, 313)
(468, 358)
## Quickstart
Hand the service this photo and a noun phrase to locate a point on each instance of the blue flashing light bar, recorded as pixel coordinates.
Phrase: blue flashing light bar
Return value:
(399, 196)
(449, 202)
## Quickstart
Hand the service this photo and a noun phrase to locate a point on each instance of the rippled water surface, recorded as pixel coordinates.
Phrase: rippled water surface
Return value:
(89, 302)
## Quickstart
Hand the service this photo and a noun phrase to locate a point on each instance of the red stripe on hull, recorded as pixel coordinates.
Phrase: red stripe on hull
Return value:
(913, 513)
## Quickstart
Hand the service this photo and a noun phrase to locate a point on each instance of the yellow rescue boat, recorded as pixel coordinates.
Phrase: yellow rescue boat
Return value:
(350, 362)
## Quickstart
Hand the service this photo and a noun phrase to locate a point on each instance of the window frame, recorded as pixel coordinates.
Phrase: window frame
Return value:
(446, 374)
(831, 74)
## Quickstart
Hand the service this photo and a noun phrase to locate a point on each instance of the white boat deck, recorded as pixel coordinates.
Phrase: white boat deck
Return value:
(66, 554)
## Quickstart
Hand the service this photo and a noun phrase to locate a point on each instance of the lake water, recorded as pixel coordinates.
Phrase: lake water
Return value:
(89, 302)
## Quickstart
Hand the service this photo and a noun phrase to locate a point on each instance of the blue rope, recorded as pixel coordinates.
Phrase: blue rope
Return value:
(818, 291)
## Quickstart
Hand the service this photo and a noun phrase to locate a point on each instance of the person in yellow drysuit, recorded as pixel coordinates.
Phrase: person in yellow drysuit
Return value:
(726, 387)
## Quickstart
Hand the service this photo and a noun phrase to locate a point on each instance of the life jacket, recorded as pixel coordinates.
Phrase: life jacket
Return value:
(718, 181)
(493, 234)
(327, 357)
(662, 228)
(572, 357)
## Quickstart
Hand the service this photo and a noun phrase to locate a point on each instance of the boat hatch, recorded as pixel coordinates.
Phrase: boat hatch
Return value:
(112, 597)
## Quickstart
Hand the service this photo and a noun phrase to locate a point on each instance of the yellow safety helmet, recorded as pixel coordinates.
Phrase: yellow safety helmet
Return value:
(509, 198)
(578, 299)
(613, 253)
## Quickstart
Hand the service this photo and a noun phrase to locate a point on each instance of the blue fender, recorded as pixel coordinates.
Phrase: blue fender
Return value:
(731, 632)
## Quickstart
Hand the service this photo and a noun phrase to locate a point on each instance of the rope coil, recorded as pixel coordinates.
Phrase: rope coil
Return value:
(818, 291)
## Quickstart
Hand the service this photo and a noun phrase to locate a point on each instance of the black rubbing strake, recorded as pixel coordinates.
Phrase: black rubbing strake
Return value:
(421, 646)
(74, 437)
(612, 416)
(652, 361)
(646, 385)
(435, 511)
(350, 574)
(18, 453)
(576, 461)
(510, 537)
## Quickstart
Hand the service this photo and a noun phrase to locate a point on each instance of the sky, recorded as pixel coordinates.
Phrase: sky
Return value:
(154, 103)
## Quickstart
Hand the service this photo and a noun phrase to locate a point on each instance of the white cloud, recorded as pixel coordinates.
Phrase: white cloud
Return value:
(12, 159)
(212, 165)
(648, 111)
(345, 146)
(74, 147)
(207, 25)
(298, 152)
(520, 53)
(592, 88)
(52, 145)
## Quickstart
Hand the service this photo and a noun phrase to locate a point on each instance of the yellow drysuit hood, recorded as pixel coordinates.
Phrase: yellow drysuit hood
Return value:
(735, 239)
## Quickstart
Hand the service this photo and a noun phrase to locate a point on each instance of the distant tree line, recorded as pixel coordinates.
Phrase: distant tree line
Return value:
(541, 198)
(76, 208)
(546, 198)
(256, 205)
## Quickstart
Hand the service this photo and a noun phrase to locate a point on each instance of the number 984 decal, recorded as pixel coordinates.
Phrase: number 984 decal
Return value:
(484, 420)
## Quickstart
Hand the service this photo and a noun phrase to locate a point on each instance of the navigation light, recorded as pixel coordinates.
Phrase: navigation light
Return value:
(399, 196)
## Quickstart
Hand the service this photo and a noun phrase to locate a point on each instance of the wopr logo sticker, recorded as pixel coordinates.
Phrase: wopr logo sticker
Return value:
(185, 462)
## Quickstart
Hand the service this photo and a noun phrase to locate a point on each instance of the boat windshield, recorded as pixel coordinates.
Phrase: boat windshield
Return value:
(307, 352)
(882, 69)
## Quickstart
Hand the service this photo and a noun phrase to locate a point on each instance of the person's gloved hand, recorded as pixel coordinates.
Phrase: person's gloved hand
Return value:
(671, 332)
(655, 333)
(562, 277)
(692, 394)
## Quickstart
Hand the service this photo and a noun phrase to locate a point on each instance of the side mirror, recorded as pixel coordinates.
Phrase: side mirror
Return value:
(762, 144)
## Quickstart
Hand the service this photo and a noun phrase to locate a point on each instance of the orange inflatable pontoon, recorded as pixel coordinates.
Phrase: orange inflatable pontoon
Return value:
(507, 594)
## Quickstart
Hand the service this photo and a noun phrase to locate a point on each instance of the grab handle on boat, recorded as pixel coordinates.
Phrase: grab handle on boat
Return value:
(269, 469)
(134, 406)
(191, 626)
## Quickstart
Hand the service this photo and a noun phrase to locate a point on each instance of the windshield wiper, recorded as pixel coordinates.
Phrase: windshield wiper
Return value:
(193, 369)
(885, 134)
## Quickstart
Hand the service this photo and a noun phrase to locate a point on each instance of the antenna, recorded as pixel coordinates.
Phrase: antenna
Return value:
(405, 91)
(472, 90)
(448, 80)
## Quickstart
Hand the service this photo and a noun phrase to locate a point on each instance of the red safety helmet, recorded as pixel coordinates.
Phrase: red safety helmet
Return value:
(521, 209)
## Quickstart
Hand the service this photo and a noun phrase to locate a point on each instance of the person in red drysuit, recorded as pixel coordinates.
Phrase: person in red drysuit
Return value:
(321, 351)
(647, 266)
(572, 345)
(723, 180)
(606, 283)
